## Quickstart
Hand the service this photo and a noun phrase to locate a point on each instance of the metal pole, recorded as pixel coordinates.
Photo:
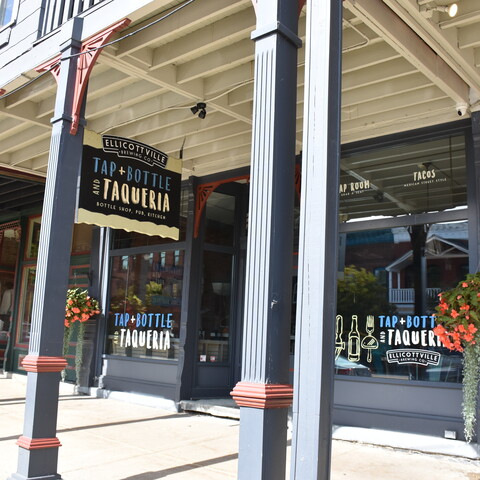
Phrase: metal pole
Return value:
(38, 453)
(263, 393)
(317, 264)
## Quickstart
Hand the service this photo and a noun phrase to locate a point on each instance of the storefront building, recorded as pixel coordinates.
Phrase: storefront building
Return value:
(391, 268)
(173, 309)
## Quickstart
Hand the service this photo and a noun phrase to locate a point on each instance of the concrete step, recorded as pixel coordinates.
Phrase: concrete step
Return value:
(217, 407)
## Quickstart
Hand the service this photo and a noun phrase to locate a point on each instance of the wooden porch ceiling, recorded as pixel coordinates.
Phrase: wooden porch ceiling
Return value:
(401, 71)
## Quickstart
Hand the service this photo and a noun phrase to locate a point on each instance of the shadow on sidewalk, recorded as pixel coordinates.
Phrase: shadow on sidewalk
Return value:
(18, 401)
(109, 424)
(183, 468)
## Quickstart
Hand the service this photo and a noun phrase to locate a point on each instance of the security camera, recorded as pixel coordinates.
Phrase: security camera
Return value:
(461, 109)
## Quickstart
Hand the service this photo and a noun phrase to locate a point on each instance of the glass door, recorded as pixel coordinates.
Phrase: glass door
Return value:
(220, 305)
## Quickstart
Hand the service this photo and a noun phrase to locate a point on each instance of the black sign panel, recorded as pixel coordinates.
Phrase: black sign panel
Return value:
(129, 185)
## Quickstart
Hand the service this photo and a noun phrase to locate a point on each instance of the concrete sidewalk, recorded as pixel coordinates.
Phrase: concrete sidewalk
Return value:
(106, 439)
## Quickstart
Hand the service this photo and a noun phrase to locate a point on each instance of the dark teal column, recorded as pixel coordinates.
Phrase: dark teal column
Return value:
(263, 393)
(38, 452)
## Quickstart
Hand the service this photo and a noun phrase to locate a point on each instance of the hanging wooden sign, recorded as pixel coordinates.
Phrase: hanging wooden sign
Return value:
(127, 184)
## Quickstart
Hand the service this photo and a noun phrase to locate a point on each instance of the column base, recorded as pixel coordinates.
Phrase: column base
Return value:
(260, 395)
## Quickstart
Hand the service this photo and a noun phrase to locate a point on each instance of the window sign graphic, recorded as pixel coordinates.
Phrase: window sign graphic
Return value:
(406, 339)
(149, 330)
(129, 185)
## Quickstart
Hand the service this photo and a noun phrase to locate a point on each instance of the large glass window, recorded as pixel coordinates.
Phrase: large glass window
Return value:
(401, 179)
(386, 297)
(123, 239)
(389, 278)
(145, 304)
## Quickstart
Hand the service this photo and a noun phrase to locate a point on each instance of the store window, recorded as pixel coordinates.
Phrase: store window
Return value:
(123, 239)
(428, 176)
(9, 246)
(388, 331)
(145, 304)
(389, 278)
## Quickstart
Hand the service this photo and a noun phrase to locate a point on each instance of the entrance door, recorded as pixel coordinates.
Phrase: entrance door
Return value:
(218, 349)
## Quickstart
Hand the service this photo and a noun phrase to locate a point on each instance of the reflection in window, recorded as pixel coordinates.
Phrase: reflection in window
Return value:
(386, 298)
(219, 219)
(145, 305)
(123, 239)
(214, 330)
(26, 304)
(418, 177)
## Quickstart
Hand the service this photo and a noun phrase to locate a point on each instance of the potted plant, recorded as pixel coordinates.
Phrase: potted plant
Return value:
(458, 327)
(79, 307)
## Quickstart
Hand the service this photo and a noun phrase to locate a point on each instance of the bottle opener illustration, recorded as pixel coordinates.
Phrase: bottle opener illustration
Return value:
(339, 343)
(369, 342)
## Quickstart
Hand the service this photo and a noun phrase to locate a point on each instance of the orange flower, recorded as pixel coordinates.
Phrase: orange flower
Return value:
(454, 313)
(75, 310)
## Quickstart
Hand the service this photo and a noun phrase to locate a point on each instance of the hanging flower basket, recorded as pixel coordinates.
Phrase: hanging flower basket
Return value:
(79, 307)
(458, 327)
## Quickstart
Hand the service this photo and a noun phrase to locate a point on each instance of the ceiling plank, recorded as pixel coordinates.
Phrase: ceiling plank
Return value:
(217, 61)
(405, 41)
(417, 97)
(167, 78)
(175, 25)
(26, 112)
(225, 31)
(445, 42)
(389, 88)
(182, 131)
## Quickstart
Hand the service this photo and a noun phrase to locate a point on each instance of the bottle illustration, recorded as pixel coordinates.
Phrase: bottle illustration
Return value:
(354, 341)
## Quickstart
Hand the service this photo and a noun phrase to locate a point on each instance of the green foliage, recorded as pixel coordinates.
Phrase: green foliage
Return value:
(152, 289)
(471, 374)
(360, 293)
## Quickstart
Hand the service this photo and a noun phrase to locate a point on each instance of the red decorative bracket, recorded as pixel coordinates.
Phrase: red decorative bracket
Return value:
(203, 192)
(2, 91)
(53, 64)
(88, 55)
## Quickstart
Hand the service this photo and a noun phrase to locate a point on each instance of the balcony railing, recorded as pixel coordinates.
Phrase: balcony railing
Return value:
(407, 295)
(57, 12)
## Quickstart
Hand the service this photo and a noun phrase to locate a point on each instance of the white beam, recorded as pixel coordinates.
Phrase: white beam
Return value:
(405, 41)
(389, 89)
(444, 42)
